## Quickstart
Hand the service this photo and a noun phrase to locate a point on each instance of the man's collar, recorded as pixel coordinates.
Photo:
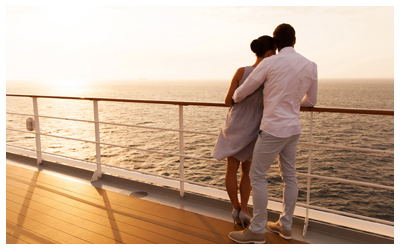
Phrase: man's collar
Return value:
(287, 49)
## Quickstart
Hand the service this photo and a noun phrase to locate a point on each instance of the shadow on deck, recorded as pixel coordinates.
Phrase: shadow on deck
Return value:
(43, 208)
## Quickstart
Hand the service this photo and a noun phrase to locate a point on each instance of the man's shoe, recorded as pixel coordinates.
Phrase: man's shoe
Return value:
(277, 228)
(247, 236)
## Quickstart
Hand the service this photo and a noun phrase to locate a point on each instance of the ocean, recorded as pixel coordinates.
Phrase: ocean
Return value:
(367, 131)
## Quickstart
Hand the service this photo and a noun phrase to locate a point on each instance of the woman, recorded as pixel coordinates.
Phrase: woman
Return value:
(239, 133)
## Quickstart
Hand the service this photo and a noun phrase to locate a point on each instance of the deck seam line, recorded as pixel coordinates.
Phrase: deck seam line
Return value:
(124, 213)
(125, 207)
(46, 225)
(91, 220)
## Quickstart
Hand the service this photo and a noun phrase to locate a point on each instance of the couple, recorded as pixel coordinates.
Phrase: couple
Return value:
(264, 123)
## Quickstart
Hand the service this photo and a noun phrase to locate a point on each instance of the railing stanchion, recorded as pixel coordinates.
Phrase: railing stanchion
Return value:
(308, 178)
(97, 173)
(37, 134)
(181, 151)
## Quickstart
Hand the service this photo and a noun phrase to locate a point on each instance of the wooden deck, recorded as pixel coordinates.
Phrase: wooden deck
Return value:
(43, 208)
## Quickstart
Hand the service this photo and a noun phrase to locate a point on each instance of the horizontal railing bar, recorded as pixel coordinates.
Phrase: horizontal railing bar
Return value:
(53, 117)
(45, 152)
(165, 129)
(13, 113)
(105, 164)
(69, 138)
(349, 111)
(15, 146)
(143, 172)
(166, 177)
(379, 151)
(121, 146)
(204, 159)
(68, 157)
(313, 109)
(56, 136)
(23, 131)
(359, 183)
(68, 119)
(124, 100)
(140, 149)
(161, 152)
(119, 124)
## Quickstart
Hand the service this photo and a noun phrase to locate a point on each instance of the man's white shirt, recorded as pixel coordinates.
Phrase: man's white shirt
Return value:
(290, 82)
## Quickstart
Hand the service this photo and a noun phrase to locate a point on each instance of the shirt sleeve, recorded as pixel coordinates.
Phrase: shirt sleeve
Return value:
(310, 98)
(251, 84)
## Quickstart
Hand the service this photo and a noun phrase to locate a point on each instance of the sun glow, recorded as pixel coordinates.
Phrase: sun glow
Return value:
(83, 41)
(66, 16)
(68, 83)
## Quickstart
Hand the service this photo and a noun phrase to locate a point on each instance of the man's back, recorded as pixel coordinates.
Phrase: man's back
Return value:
(289, 77)
(290, 81)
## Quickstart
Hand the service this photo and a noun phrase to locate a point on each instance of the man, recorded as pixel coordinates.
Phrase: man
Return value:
(290, 82)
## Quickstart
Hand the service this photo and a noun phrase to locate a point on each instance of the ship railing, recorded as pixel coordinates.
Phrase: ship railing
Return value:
(102, 167)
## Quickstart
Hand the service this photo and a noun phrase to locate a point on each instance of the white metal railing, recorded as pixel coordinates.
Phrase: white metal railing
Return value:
(98, 172)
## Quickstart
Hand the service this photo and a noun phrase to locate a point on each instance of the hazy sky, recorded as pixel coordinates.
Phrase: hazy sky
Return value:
(193, 42)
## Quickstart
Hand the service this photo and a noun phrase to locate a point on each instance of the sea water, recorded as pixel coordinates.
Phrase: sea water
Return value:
(355, 130)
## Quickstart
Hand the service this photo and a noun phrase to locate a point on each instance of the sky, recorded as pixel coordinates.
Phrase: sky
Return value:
(125, 42)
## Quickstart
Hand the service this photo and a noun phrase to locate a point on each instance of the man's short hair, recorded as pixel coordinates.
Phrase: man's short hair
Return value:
(284, 35)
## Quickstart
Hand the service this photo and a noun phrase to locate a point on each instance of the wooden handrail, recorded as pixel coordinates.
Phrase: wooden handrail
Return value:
(125, 100)
(349, 111)
(185, 103)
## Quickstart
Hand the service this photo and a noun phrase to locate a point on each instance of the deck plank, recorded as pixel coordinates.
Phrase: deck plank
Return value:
(43, 208)
(18, 235)
(116, 214)
(106, 225)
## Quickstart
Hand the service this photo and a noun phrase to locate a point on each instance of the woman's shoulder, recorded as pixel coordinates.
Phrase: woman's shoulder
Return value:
(245, 68)
(239, 73)
(241, 70)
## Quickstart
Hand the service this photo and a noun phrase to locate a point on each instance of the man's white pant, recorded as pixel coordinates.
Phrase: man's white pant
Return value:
(267, 148)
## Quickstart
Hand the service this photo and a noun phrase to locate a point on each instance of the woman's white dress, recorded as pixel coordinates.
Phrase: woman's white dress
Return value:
(239, 132)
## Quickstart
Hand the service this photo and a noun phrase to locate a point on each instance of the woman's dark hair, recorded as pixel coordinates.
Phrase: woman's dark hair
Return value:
(284, 35)
(261, 45)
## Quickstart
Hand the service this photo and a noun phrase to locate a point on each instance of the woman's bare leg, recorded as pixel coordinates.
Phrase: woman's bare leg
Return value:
(245, 186)
(231, 181)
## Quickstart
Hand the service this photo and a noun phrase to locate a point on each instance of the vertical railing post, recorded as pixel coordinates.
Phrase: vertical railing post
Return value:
(181, 151)
(37, 133)
(308, 178)
(97, 173)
